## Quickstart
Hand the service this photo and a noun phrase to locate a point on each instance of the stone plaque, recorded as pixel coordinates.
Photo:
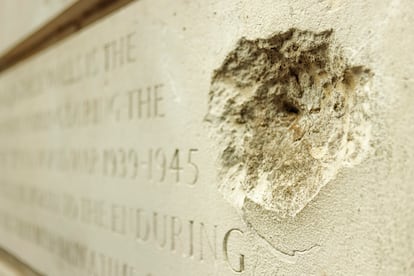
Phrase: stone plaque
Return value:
(215, 138)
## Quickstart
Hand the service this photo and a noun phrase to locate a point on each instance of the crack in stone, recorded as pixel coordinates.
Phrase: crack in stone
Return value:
(290, 257)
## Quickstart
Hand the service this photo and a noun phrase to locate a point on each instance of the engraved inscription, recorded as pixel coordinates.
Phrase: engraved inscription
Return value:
(104, 175)
(187, 238)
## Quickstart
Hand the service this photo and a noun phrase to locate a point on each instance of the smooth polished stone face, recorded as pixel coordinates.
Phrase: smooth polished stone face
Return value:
(109, 165)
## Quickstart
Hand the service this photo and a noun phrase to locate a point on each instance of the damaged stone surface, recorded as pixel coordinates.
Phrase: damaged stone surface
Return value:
(287, 113)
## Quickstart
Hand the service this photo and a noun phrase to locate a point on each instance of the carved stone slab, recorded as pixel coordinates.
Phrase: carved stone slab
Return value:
(215, 138)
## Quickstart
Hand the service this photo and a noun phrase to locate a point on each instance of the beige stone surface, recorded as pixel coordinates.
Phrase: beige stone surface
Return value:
(10, 266)
(19, 19)
(109, 166)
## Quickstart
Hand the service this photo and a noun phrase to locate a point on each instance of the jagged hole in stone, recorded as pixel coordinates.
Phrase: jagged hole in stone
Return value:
(287, 113)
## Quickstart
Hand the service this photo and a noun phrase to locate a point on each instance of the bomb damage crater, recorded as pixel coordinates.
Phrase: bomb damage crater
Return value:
(287, 112)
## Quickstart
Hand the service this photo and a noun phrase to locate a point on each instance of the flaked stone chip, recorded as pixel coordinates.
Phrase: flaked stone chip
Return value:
(287, 112)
